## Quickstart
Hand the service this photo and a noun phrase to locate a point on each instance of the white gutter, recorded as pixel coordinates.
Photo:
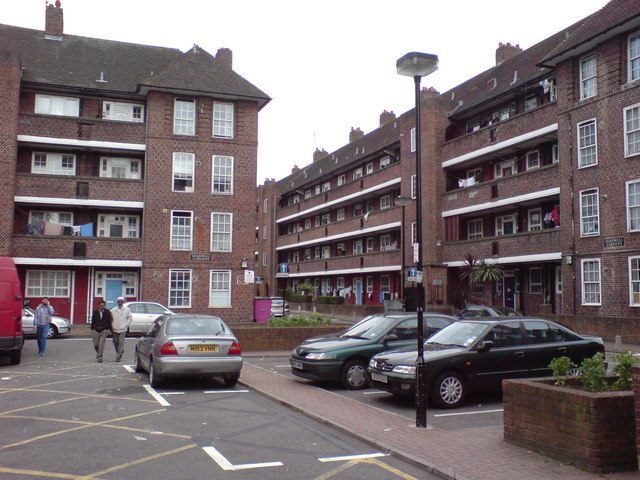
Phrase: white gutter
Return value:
(72, 142)
(350, 271)
(77, 202)
(363, 231)
(73, 262)
(502, 202)
(340, 200)
(499, 146)
(539, 257)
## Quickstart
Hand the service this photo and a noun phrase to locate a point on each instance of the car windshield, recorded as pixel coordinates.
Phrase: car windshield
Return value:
(369, 327)
(195, 326)
(460, 334)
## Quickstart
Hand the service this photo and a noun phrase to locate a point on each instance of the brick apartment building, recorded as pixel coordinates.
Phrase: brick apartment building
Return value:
(533, 165)
(126, 170)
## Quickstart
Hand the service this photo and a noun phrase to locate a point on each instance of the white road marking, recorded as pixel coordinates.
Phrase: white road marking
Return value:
(469, 413)
(227, 465)
(157, 396)
(352, 457)
(283, 366)
(377, 392)
(128, 368)
(172, 393)
(225, 391)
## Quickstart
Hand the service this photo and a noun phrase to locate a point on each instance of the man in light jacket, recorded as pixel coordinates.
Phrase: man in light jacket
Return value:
(42, 322)
(121, 319)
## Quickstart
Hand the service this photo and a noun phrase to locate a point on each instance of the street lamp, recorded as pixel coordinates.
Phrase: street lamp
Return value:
(418, 65)
(402, 202)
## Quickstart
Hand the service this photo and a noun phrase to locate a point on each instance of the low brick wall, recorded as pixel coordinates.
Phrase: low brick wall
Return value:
(356, 312)
(256, 337)
(594, 431)
(636, 402)
(628, 328)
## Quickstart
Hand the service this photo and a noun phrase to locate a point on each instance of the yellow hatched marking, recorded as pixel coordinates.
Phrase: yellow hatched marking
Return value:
(374, 461)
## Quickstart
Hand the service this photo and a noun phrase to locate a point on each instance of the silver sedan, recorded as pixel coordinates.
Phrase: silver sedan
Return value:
(59, 325)
(189, 345)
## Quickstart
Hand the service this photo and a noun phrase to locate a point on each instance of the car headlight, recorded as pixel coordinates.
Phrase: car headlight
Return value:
(406, 369)
(319, 356)
(372, 363)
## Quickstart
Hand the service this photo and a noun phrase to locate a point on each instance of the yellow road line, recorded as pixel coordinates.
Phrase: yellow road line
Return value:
(38, 473)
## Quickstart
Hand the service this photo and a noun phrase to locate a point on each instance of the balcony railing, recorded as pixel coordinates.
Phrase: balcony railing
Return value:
(370, 260)
(94, 248)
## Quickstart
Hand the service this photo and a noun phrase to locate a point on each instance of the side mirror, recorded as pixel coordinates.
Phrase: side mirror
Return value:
(389, 338)
(485, 346)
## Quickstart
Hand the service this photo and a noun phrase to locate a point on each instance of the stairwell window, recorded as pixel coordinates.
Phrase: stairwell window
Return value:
(591, 287)
(634, 57)
(589, 214)
(181, 230)
(587, 144)
(588, 77)
(53, 164)
(223, 120)
(54, 105)
(220, 288)
(183, 172)
(184, 117)
(223, 175)
(221, 228)
(633, 206)
(634, 281)
(632, 130)
(180, 288)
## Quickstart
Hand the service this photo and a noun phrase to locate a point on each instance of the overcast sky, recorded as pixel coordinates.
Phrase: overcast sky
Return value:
(327, 65)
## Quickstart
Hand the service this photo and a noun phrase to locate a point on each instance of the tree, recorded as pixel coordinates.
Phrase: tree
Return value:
(480, 271)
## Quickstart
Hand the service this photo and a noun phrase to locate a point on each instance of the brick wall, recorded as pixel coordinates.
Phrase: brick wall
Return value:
(636, 406)
(255, 338)
(606, 327)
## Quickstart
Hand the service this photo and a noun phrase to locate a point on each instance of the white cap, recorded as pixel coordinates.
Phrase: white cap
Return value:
(120, 298)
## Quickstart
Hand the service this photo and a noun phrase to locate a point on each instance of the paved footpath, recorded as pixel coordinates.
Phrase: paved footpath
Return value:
(475, 454)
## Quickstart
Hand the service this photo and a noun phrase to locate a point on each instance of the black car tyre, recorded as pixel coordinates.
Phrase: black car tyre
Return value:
(448, 390)
(231, 380)
(354, 375)
(154, 378)
(16, 355)
(136, 364)
(53, 331)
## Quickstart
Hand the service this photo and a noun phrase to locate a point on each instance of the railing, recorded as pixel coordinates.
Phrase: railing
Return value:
(348, 262)
(71, 246)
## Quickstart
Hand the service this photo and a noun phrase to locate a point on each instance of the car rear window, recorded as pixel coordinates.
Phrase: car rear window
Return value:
(194, 326)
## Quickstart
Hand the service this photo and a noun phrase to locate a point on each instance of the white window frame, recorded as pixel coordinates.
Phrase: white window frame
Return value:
(633, 56)
(555, 153)
(533, 160)
(475, 173)
(414, 186)
(591, 217)
(501, 167)
(221, 232)
(385, 285)
(130, 225)
(129, 282)
(265, 259)
(118, 167)
(317, 253)
(530, 103)
(369, 244)
(57, 105)
(181, 230)
(385, 162)
(220, 297)
(223, 118)
(385, 202)
(183, 169)
(123, 112)
(340, 214)
(588, 76)
(180, 288)
(369, 284)
(340, 283)
(325, 219)
(57, 283)
(412, 144)
(595, 280)
(342, 179)
(184, 117)
(61, 218)
(357, 247)
(265, 206)
(558, 280)
(502, 219)
(633, 205)
(222, 175)
(474, 228)
(634, 281)
(265, 232)
(357, 173)
(535, 287)
(47, 163)
(369, 168)
(326, 251)
(307, 223)
(587, 143)
(326, 186)
(385, 242)
(631, 122)
(531, 224)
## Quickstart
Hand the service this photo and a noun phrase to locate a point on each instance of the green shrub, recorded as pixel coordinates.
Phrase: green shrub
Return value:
(330, 300)
(312, 320)
(561, 368)
(294, 297)
(593, 373)
(623, 370)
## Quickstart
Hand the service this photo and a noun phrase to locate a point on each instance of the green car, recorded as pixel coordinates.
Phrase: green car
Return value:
(344, 356)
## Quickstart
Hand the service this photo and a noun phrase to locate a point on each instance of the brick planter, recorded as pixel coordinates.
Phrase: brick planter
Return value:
(259, 337)
(594, 431)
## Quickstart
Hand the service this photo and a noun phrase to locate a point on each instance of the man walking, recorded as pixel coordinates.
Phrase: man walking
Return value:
(42, 321)
(100, 325)
(121, 319)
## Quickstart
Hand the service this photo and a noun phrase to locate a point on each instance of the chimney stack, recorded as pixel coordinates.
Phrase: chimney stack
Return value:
(318, 154)
(386, 117)
(355, 134)
(295, 169)
(505, 51)
(225, 57)
(54, 21)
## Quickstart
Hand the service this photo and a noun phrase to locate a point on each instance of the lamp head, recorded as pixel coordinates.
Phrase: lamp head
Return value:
(416, 64)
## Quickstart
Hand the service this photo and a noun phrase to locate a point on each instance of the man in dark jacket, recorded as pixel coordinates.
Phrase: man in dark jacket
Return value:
(100, 327)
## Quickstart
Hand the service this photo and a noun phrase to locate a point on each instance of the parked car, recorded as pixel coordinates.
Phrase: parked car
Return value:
(59, 325)
(279, 307)
(144, 314)
(476, 355)
(475, 311)
(181, 345)
(344, 356)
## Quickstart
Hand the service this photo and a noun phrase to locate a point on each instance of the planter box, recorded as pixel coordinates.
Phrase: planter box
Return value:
(258, 337)
(594, 431)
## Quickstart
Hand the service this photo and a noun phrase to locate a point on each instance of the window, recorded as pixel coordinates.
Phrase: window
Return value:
(53, 105)
(632, 130)
(220, 289)
(61, 218)
(587, 144)
(48, 283)
(184, 117)
(265, 232)
(369, 284)
(385, 242)
(317, 253)
(413, 139)
(181, 230)
(53, 164)
(559, 280)
(128, 168)
(357, 210)
(476, 174)
(307, 194)
(474, 228)
(506, 168)
(414, 187)
(265, 259)
(385, 287)
(223, 120)
(633, 206)
(342, 179)
(555, 153)
(535, 280)
(318, 189)
(591, 281)
(265, 205)
(533, 160)
(307, 254)
(369, 244)
(341, 249)
(180, 288)
(506, 225)
(634, 281)
(340, 214)
(221, 227)
(414, 233)
(326, 186)
(534, 216)
(588, 70)
(340, 283)
(530, 103)
(123, 112)
(357, 173)
(589, 217)
(307, 223)
(385, 202)
(385, 161)
(223, 175)
(357, 247)
(634, 57)
(326, 251)
(369, 168)
(118, 226)
(183, 172)
(325, 219)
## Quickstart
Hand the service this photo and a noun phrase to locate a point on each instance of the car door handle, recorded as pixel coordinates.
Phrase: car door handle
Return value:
(519, 354)
(562, 349)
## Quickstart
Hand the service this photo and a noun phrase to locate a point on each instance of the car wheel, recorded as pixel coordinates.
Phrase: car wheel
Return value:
(16, 355)
(154, 378)
(449, 390)
(136, 363)
(574, 371)
(53, 331)
(354, 375)
(231, 380)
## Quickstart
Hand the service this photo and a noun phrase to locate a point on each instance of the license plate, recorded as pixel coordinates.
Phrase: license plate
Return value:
(203, 348)
(379, 378)
(296, 364)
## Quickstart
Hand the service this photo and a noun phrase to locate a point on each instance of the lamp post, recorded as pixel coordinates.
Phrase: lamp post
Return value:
(402, 202)
(418, 65)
